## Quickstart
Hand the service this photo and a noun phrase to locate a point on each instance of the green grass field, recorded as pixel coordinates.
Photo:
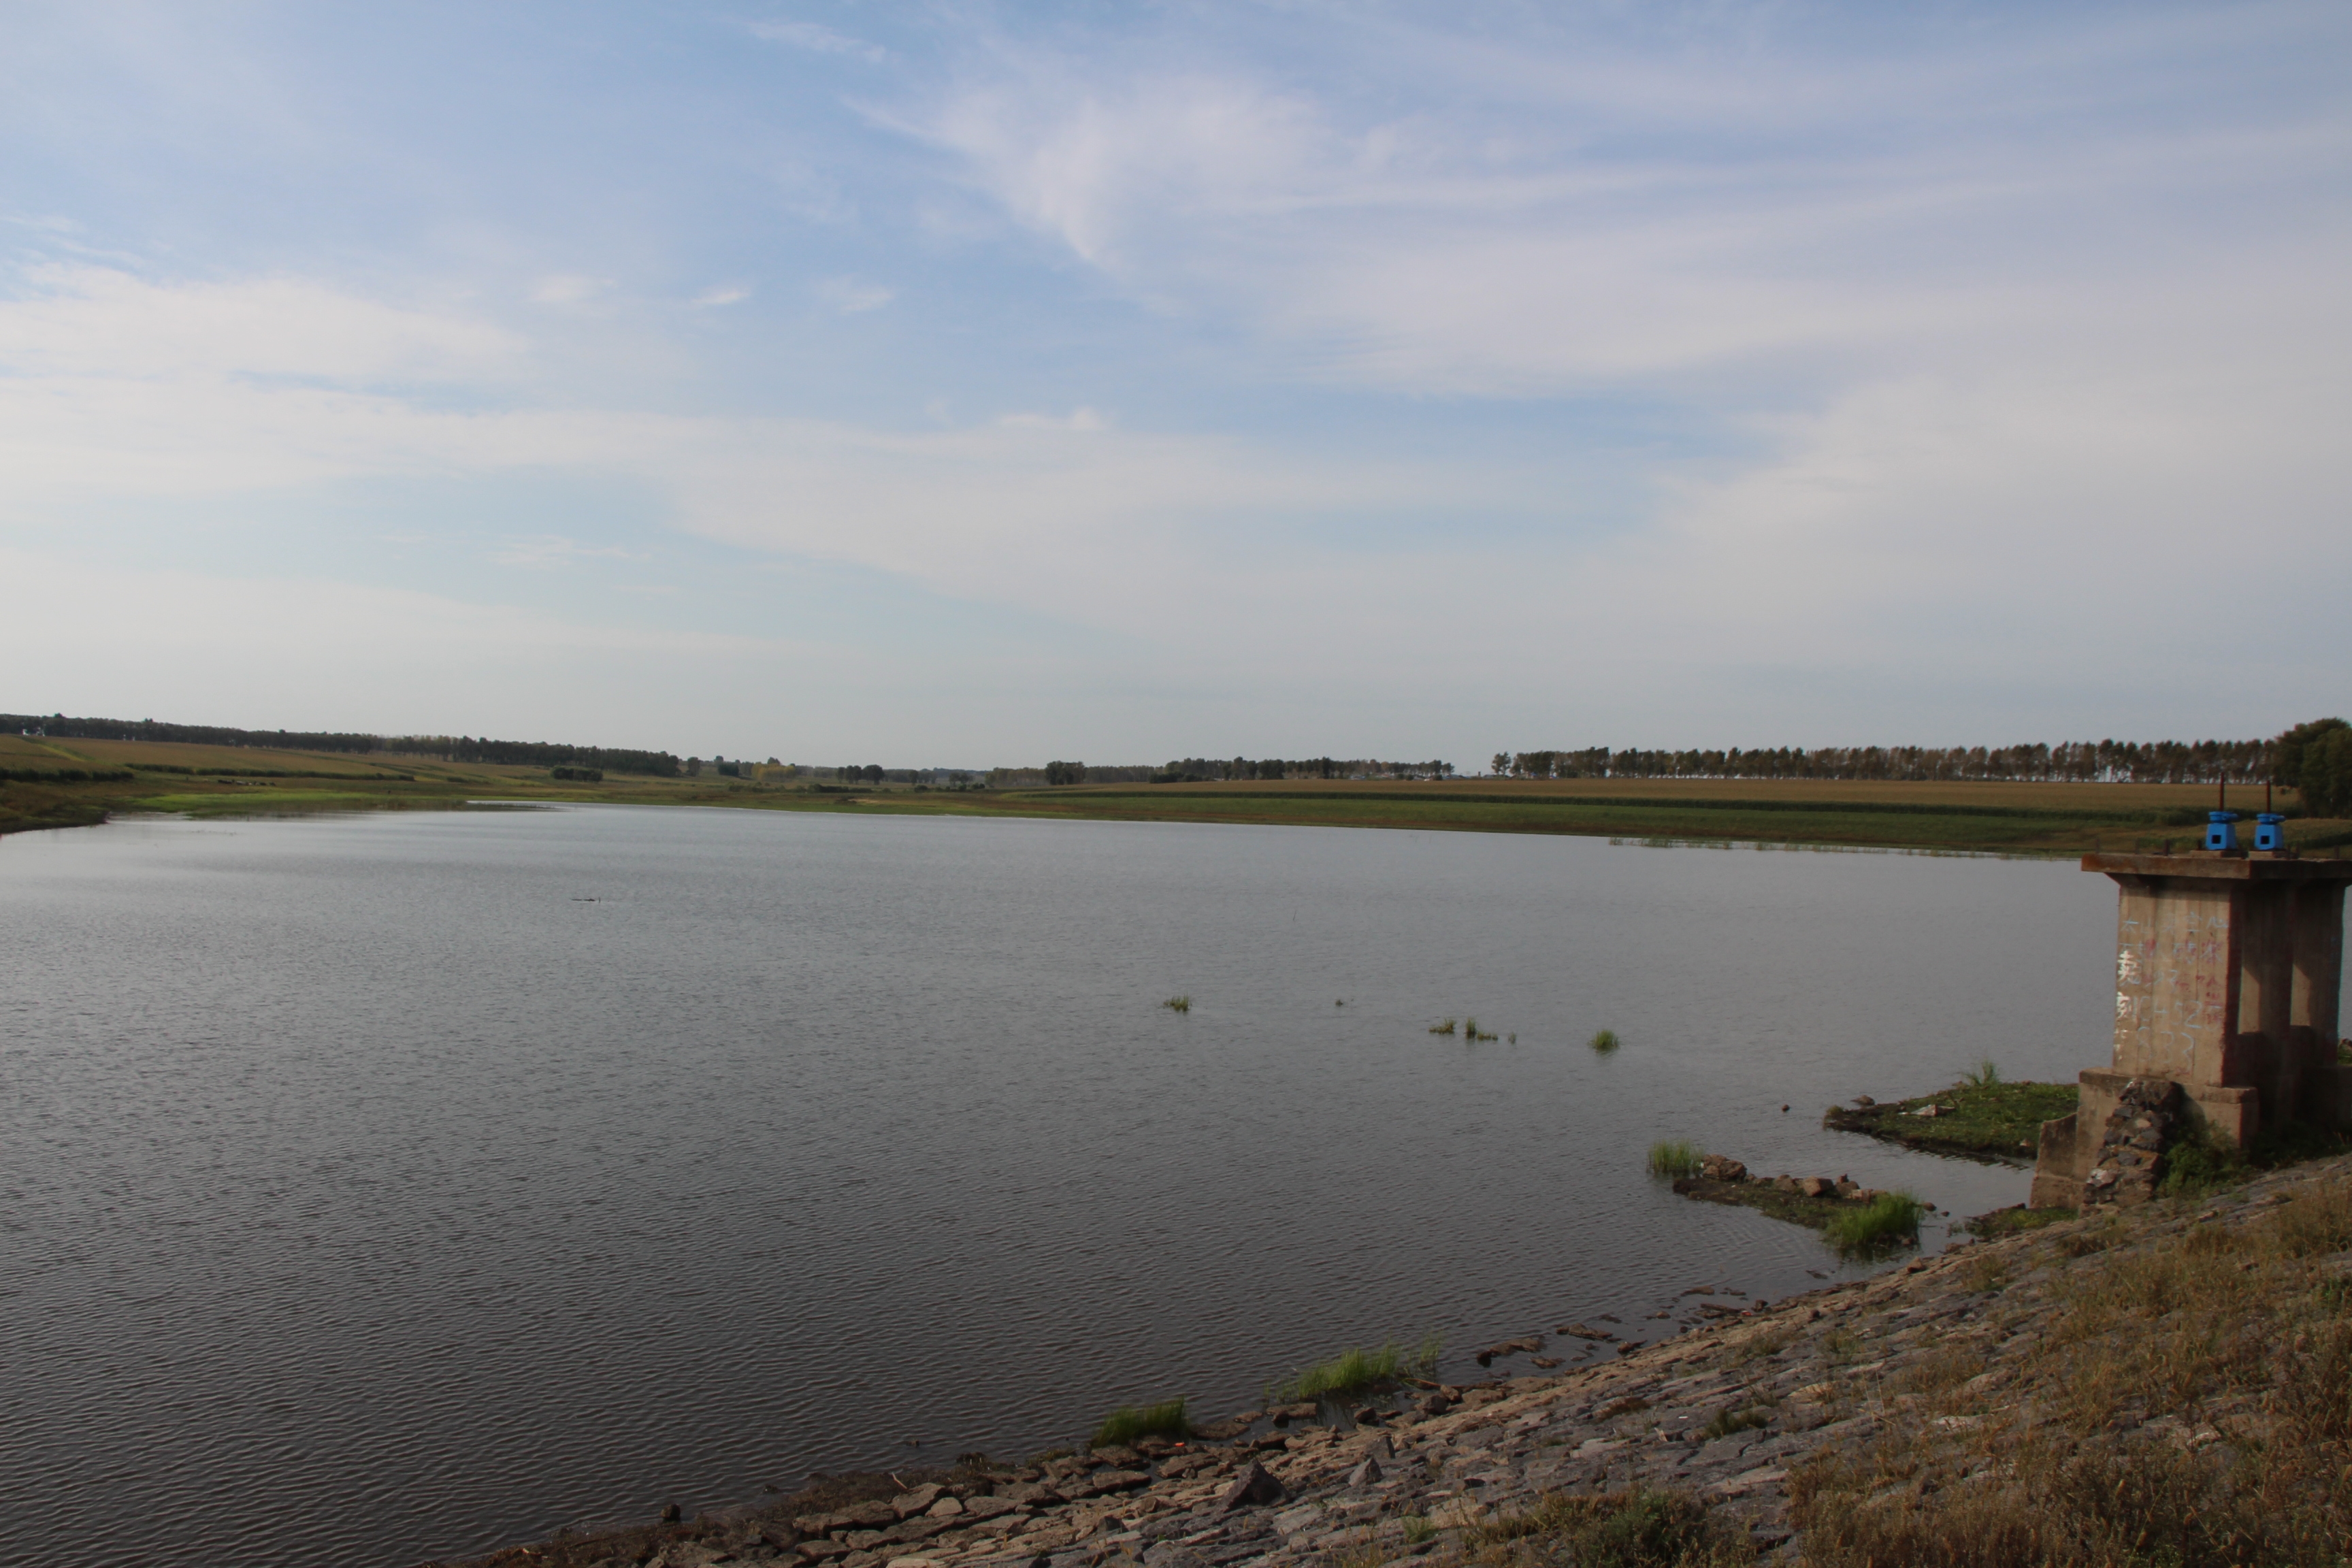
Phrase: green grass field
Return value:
(1986, 818)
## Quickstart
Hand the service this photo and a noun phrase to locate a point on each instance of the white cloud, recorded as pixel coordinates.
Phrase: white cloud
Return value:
(819, 40)
(1060, 512)
(851, 295)
(1573, 214)
(72, 321)
(569, 288)
(723, 294)
(550, 549)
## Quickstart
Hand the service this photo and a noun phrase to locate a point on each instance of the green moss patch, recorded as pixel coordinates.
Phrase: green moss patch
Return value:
(1978, 1120)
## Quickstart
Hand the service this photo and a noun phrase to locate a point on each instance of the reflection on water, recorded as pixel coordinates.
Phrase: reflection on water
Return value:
(388, 1187)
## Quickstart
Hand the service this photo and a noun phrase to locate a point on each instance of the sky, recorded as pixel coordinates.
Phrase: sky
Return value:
(969, 384)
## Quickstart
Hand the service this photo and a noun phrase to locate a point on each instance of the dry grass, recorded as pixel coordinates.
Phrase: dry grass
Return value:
(2191, 1402)
(1634, 1529)
(1998, 793)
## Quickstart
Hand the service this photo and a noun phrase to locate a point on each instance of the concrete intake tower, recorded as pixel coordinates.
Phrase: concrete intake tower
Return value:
(2228, 963)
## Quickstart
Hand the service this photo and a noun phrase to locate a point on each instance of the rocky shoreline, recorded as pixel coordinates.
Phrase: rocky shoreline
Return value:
(1811, 1201)
(1896, 1389)
(1730, 1414)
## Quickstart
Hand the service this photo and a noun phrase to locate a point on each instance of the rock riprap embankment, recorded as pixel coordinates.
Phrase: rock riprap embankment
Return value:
(1731, 1412)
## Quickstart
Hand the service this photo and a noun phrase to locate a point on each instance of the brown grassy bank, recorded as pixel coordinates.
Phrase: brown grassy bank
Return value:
(118, 777)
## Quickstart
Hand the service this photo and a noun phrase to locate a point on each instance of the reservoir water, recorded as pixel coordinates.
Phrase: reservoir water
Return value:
(383, 1187)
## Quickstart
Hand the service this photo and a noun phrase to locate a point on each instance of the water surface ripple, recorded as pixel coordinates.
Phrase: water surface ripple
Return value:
(383, 1187)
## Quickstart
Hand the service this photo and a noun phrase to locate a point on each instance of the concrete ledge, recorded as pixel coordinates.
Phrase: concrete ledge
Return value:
(2250, 867)
(2057, 1184)
(2232, 1115)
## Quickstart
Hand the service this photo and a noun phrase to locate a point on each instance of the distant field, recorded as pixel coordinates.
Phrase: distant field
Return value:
(2019, 818)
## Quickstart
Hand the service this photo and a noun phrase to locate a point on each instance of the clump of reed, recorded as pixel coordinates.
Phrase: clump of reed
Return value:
(1442, 1028)
(1986, 1074)
(1675, 1157)
(1128, 1422)
(1178, 1003)
(1470, 1030)
(1604, 1043)
(1357, 1369)
(1887, 1221)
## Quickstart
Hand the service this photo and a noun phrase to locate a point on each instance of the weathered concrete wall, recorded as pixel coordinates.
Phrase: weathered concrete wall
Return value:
(2176, 979)
(2318, 937)
(2059, 1167)
(2227, 970)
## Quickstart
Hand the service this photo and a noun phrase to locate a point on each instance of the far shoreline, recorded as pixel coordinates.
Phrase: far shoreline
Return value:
(84, 783)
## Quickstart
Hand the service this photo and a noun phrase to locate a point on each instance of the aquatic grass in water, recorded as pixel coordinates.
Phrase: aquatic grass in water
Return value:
(1444, 1028)
(1604, 1043)
(1470, 1030)
(1352, 1371)
(1673, 1157)
(1886, 1222)
(1178, 1003)
(1128, 1422)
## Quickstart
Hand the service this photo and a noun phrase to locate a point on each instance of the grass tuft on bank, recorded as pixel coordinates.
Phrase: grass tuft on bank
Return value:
(1130, 1422)
(1358, 1369)
(1878, 1227)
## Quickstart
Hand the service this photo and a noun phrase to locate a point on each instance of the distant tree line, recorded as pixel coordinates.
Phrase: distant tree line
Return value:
(64, 775)
(1187, 770)
(531, 753)
(449, 748)
(2310, 750)
(64, 728)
